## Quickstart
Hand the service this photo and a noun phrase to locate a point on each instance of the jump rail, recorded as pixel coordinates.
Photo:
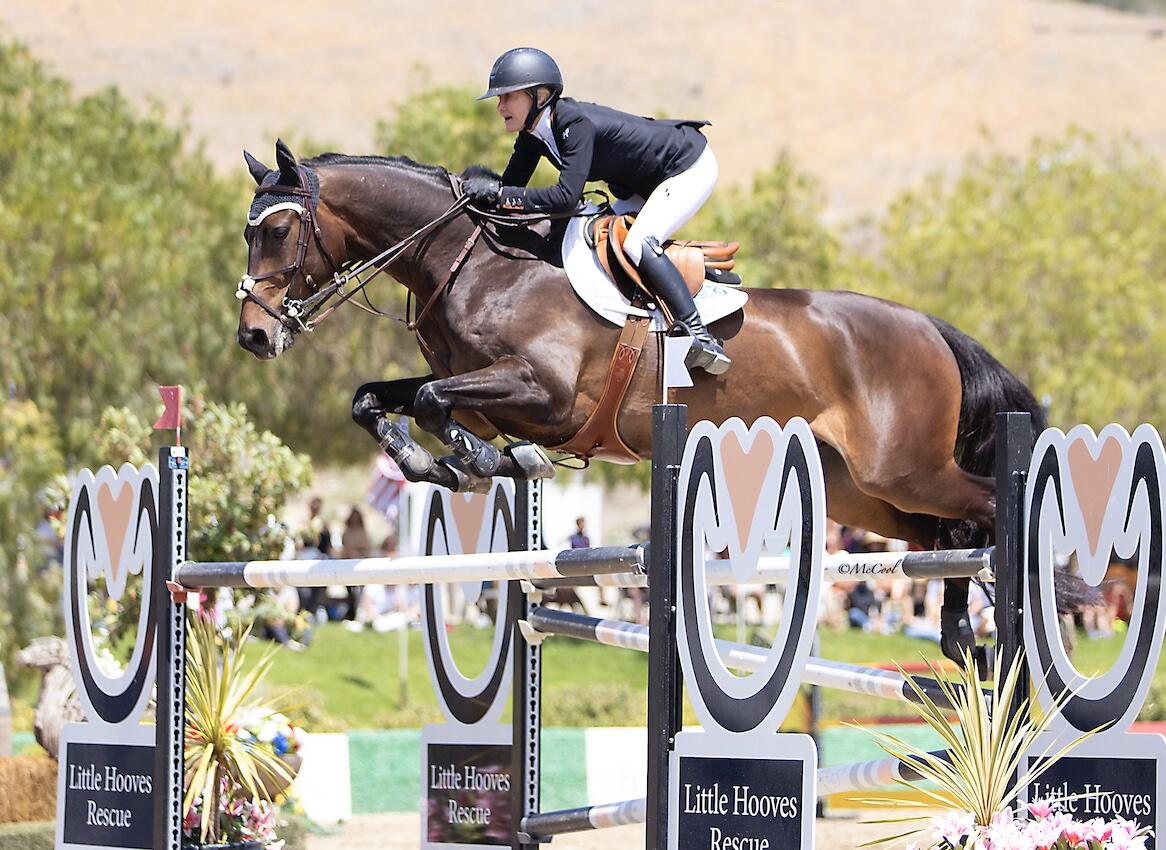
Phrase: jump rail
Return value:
(836, 567)
(415, 569)
(542, 622)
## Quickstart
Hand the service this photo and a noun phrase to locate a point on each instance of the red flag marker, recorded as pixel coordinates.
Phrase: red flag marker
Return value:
(171, 418)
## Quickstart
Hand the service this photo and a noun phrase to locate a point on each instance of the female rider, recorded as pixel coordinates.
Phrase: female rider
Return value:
(666, 163)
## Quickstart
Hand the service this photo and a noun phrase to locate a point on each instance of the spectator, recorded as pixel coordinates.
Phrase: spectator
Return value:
(316, 542)
(355, 545)
(862, 606)
(386, 607)
(580, 540)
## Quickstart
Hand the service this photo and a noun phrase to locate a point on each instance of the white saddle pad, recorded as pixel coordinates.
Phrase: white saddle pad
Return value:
(596, 289)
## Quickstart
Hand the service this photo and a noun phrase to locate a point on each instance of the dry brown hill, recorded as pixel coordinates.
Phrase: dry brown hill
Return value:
(868, 95)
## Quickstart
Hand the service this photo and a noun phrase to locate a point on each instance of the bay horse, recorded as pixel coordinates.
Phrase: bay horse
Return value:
(902, 403)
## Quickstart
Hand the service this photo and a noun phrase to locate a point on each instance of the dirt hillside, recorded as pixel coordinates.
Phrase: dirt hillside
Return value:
(868, 95)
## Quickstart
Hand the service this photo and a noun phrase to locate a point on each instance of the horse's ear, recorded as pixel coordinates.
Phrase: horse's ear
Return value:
(258, 169)
(286, 160)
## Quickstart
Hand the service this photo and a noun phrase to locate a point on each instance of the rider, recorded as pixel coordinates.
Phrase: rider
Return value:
(666, 163)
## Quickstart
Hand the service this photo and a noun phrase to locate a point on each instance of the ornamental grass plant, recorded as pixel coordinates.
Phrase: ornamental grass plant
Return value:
(976, 802)
(222, 690)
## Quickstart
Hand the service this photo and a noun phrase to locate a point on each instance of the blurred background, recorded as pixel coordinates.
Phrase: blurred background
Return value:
(998, 163)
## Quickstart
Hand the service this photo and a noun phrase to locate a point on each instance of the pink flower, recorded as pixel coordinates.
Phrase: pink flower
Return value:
(1040, 809)
(192, 817)
(1042, 834)
(1075, 834)
(953, 827)
(1125, 836)
(1098, 830)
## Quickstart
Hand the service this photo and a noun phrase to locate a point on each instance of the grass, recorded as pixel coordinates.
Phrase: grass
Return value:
(351, 681)
(348, 680)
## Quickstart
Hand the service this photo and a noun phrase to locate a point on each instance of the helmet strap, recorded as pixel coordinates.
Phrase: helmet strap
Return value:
(535, 108)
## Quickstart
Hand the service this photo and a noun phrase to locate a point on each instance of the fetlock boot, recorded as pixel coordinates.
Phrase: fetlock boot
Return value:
(668, 284)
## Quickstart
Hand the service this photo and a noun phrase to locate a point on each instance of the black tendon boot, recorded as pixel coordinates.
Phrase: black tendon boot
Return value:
(663, 278)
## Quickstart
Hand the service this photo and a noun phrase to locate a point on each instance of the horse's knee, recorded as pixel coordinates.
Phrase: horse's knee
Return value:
(429, 408)
(366, 408)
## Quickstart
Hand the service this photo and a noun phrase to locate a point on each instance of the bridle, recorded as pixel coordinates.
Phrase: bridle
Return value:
(300, 314)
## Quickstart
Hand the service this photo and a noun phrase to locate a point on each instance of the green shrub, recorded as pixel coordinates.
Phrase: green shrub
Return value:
(601, 704)
(1055, 260)
(31, 835)
(240, 483)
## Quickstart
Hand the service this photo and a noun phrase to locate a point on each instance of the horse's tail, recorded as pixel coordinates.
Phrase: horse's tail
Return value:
(988, 388)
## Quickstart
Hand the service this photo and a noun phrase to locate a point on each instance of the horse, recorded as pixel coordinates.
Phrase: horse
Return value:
(903, 404)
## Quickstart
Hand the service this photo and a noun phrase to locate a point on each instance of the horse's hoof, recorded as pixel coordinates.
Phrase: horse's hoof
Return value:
(464, 481)
(531, 460)
(956, 638)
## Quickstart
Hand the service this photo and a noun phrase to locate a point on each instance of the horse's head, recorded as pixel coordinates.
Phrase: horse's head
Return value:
(286, 256)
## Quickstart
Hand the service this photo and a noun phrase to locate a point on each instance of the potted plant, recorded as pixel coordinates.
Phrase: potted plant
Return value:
(973, 808)
(227, 801)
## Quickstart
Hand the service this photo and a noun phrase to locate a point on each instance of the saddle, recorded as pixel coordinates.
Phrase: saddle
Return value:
(697, 261)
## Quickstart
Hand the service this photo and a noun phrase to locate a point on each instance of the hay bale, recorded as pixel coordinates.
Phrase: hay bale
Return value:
(34, 835)
(5, 717)
(28, 789)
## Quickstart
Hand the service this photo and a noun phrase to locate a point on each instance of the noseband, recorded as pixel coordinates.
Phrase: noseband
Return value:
(299, 314)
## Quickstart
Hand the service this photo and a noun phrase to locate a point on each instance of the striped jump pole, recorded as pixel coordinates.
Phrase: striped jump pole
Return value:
(823, 672)
(414, 569)
(836, 567)
(863, 776)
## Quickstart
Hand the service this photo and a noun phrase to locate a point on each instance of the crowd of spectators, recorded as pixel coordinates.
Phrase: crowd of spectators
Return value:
(881, 605)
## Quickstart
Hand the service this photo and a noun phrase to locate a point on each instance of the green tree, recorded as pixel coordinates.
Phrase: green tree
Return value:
(777, 220)
(29, 579)
(1055, 261)
(240, 483)
(448, 126)
(118, 248)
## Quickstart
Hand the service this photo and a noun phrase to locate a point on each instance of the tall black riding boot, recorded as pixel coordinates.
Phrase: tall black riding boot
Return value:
(664, 279)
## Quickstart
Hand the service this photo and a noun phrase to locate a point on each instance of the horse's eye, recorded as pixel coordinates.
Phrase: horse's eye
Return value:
(281, 232)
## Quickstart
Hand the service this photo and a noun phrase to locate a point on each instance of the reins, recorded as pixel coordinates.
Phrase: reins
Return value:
(299, 314)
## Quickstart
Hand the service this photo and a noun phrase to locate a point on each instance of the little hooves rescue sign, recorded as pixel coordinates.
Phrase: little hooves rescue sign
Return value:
(106, 781)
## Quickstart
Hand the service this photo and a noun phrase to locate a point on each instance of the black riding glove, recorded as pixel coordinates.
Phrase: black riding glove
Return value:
(483, 187)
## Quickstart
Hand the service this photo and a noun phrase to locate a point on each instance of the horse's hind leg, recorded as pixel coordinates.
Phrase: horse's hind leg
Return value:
(846, 504)
(917, 474)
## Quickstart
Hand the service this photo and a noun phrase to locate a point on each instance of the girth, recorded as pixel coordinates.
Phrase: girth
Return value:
(599, 437)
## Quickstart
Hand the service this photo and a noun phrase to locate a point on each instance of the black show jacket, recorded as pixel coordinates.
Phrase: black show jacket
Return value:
(631, 154)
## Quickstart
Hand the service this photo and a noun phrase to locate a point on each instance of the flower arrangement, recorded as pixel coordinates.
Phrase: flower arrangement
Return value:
(1047, 827)
(226, 760)
(271, 730)
(977, 774)
(241, 821)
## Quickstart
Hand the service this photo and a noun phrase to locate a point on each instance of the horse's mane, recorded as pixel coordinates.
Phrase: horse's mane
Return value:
(397, 162)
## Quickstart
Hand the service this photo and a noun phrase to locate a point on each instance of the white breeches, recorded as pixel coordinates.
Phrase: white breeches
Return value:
(673, 203)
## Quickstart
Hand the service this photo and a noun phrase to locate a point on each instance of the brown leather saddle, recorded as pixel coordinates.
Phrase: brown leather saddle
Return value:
(697, 261)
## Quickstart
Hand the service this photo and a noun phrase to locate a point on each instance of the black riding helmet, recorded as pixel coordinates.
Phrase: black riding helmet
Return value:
(525, 68)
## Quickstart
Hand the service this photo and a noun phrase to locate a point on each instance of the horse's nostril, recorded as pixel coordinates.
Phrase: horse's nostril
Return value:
(254, 340)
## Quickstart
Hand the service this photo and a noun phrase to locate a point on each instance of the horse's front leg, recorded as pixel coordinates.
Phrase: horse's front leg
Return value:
(371, 407)
(509, 389)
